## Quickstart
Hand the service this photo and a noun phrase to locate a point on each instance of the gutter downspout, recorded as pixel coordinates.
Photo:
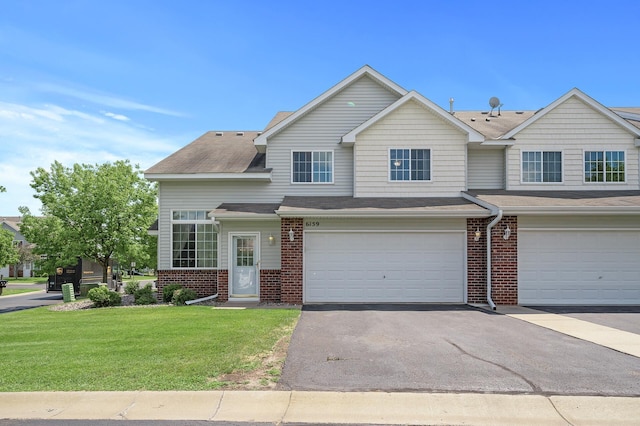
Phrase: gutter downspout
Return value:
(489, 227)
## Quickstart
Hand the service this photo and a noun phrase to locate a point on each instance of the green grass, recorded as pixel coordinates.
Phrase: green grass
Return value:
(26, 280)
(116, 349)
(8, 291)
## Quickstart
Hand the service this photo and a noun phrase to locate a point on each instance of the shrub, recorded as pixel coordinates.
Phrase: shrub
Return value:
(144, 296)
(181, 295)
(102, 297)
(131, 287)
(167, 292)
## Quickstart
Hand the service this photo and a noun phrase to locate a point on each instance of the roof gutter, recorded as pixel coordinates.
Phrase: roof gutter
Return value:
(497, 212)
(489, 227)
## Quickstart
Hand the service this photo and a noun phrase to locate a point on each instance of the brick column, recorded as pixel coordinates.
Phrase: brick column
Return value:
(504, 262)
(477, 261)
(291, 267)
(223, 285)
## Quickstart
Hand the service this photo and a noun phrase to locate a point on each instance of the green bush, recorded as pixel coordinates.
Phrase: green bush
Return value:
(180, 296)
(167, 292)
(131, 287)
(144, 296)
(103, 297)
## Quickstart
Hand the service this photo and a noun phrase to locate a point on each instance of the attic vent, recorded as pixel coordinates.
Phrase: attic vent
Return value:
(239, 133)
(219, 133)
(259, 133)
(519, 112)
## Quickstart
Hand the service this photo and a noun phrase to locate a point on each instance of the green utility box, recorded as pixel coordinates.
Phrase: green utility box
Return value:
(68, 295)
(84, 288)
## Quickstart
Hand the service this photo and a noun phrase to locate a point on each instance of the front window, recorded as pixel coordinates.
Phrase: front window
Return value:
(542, 166)
(409, 164)
(604, 166)
(195, 240)
(312, 166)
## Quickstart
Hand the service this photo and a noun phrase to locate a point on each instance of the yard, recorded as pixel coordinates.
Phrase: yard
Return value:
(143, 348)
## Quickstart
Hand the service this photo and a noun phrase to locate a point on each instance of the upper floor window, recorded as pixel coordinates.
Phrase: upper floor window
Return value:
(194, 240)
(312, 166)
(542, 166)
(604, 166)
(409, 164)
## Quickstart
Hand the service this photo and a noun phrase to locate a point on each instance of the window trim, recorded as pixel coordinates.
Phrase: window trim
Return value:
(542, 151)
(312, 151)
(412, 181)
(173, 221)
(604, 154)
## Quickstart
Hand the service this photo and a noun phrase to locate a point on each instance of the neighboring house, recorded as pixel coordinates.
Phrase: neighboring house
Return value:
(372, 193)
(25, 269)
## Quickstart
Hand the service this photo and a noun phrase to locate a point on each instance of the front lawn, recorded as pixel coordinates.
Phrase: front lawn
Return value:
(8, 291)
(140, 348)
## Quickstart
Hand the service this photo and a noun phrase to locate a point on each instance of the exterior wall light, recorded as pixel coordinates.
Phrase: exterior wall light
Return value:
(272, 240)
(476, 236)
(292, 235)
(507, 233)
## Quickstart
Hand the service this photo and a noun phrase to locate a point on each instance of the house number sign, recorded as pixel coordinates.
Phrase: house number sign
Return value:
(312, 224)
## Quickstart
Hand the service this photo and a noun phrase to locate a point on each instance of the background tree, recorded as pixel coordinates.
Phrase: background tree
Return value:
(8, 253)
(25, 256)
(99, 212)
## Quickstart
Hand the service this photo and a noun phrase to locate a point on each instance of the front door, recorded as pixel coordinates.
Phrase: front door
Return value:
(244, 267)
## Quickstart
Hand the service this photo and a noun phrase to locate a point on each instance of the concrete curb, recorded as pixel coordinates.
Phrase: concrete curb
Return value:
(323, 407)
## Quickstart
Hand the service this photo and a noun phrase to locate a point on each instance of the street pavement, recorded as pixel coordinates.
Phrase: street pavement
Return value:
(527, 402)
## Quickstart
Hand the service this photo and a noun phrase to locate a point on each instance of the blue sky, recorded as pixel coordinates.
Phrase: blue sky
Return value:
(93, 81)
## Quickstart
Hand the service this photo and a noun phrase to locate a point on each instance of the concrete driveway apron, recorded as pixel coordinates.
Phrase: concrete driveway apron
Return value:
(447, 349)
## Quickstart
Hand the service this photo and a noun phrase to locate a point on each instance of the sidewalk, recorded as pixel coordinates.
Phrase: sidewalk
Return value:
(323, 407)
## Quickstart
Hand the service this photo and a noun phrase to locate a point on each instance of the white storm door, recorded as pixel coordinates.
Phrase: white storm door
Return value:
(244, 266)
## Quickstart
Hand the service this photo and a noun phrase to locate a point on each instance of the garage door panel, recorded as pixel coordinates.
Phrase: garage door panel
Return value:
(384, 267)
(579, 267)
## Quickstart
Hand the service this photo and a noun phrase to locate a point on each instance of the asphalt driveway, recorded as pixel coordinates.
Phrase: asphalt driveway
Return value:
(447, 349)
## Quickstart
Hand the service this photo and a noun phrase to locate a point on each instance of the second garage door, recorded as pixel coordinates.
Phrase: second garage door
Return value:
(354, 267)
(579, 267)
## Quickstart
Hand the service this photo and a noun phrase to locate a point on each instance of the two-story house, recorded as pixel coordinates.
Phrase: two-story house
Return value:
(21, 269)
(372, 193)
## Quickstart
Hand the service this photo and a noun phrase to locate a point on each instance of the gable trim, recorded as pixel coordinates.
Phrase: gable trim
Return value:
(261, 141)
(473, 135)
(575, 92)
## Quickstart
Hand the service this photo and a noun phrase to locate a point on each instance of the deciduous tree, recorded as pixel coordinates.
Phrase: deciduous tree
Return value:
(99, 212)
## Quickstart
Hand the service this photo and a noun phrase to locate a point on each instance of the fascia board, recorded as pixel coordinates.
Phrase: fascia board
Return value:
(262, 139)
(209, 176)
(473, 135)
(381, 214)
(583, 97)
(245, 217)
(571, 210)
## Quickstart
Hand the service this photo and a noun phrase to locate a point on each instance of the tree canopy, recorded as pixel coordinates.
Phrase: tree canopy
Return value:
(8, 253)
(100, 212)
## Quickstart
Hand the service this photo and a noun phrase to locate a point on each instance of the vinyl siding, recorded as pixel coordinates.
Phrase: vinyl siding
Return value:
(269, 255)
(202, 196)
(321, 129)
(409, 224)
(573, 127)
(410, 126)
(486, 168)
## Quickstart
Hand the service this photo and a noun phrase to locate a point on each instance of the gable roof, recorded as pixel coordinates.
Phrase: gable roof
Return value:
(214, 154)
(12, 222)
(583, 97)
(474, 136)
(261, 140)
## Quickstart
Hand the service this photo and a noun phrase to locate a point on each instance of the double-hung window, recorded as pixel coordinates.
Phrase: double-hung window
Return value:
(604, 166)
(410, 164)
(194, 240)
(542, 166)
(312, 166)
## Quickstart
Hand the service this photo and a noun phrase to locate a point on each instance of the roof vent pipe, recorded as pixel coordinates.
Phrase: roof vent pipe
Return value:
(489, 227)
(451, 100)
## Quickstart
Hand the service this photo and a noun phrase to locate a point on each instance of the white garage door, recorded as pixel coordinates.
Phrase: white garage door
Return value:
(384, 267)
(579, 267)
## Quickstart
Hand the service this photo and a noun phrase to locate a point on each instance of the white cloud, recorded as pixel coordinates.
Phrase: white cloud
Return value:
(118, 117)
(35, 136)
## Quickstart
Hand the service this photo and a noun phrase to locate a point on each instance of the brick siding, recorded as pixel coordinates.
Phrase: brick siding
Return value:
(477, 261)
(291, 258)
(270, 285)
(203, 282)
(504, 262)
